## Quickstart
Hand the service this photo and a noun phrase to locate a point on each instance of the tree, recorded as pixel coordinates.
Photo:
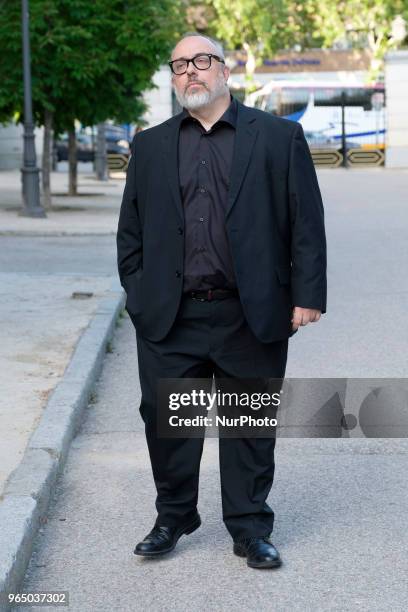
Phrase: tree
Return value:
(257, 26)
(263, 27)
(90, 61)
(361, 24)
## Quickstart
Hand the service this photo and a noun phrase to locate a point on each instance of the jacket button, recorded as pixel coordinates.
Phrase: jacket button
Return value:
(178, 273)
(180, 230)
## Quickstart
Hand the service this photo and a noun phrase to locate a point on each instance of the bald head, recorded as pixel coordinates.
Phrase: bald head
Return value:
(195, 40)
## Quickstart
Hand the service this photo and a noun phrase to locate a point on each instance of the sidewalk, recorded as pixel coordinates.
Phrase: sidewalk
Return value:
(95, 211)
(41, 320)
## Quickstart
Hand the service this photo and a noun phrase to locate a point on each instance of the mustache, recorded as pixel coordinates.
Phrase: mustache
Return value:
(195, 82)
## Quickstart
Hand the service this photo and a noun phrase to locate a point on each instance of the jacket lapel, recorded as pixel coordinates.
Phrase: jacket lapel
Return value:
(170, 160)
(245, 137)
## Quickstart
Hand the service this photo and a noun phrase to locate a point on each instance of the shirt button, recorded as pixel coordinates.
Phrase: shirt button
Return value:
(178, 273)
(202, 190)
(180, 230)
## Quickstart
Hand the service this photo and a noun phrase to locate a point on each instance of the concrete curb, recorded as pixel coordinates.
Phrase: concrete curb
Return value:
(29, 488)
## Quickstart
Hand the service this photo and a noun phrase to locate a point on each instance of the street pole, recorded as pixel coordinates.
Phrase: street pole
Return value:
(30, 174)
(100, 154)
(343, 128)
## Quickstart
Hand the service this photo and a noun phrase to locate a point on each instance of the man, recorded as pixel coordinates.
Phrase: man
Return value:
(222, 254)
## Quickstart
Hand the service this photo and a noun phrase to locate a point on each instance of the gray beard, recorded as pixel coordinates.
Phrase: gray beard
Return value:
(202, 98)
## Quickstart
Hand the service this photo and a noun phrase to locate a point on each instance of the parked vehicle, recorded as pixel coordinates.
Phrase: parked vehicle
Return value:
(85, 152)
(115, 140)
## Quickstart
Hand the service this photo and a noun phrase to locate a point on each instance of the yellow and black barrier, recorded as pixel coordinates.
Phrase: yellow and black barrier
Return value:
(366, 156)
(327, 158)
(117, 162)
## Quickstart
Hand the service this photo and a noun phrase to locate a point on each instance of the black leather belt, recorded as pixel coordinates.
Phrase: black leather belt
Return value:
(212, 294)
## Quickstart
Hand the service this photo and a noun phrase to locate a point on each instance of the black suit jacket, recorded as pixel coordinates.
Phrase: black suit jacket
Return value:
(274, 222)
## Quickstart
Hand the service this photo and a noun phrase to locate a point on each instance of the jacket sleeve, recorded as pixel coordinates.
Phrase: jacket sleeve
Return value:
(308, 242)
(129, 232)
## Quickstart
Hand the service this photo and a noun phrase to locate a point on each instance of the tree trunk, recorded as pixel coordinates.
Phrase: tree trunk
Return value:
(72, 162)
(100, 154)
(250, 66)
(46, 159)
(54, 156)
(93, 149)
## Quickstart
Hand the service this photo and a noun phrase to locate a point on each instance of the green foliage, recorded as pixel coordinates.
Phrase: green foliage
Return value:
(302, 29)
(263, 27)
(361, 24)
(272, 25)
(259, 23)
(91, 60)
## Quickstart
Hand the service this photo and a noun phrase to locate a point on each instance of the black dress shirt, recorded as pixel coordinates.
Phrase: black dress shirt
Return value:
(204, 174)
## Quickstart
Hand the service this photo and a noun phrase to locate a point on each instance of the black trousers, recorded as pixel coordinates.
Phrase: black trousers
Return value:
(210, 339)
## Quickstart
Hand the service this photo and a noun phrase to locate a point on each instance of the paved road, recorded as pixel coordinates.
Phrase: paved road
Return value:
(340, 504)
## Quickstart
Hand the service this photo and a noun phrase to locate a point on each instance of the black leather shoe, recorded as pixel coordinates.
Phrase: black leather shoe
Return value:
(260, 552)
(162, 538)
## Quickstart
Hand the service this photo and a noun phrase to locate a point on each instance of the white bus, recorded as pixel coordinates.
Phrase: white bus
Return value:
(317, 105)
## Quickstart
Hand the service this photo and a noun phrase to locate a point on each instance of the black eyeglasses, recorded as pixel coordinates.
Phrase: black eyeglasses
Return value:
(202, 61)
